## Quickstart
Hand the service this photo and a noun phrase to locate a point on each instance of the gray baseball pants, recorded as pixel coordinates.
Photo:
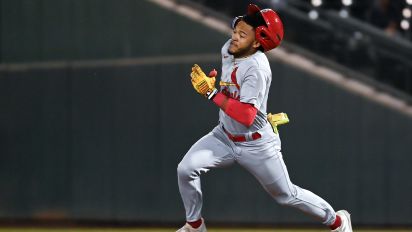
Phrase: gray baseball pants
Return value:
(261, 157)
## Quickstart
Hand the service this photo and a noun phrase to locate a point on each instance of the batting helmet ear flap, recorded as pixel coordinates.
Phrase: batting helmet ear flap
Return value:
(270, 35)
(266, 38)
(235, 21)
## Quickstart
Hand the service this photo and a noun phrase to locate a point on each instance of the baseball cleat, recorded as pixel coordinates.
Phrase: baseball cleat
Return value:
(346, 222)
(189, 228)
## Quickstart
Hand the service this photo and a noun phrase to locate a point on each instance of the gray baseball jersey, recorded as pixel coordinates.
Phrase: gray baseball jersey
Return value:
(261, 157)
(253, 77)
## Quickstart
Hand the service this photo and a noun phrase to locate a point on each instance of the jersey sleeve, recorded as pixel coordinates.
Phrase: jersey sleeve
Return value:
(253, 86)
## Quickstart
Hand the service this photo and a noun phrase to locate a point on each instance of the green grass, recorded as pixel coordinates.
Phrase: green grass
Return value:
(174, 229)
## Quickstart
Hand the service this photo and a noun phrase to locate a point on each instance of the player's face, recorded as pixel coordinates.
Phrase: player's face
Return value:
(243, 40)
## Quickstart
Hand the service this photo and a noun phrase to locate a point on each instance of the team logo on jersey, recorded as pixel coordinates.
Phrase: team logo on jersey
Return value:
(227, 93)
(222, 83)
(234, 78)
(227, 86)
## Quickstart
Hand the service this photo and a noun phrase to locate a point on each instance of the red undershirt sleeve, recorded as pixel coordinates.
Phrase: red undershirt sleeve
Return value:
(243, 113)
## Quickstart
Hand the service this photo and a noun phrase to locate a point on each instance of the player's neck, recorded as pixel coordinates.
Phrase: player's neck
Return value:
(245, 55)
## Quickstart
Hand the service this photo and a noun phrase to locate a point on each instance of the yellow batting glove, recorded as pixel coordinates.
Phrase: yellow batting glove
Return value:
(277, 119)
(204, 85)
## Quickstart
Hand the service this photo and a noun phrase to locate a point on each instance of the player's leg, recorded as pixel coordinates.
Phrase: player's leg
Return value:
(209, 152)
(274, 177)
(264, 160)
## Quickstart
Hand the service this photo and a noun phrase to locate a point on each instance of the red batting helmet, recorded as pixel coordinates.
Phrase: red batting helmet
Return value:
(269, 35)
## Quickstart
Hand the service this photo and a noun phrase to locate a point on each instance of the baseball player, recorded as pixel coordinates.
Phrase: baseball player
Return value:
(243, 134)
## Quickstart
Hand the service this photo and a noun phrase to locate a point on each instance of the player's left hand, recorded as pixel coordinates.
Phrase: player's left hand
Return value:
(204, 85)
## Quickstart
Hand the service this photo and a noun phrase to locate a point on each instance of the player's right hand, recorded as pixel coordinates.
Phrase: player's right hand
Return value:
(204, 85)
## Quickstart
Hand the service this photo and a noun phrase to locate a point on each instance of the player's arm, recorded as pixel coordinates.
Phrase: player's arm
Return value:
(245, 109)
(242, 112)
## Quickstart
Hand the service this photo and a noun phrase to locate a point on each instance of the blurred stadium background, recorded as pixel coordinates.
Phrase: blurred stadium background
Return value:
(96, 111)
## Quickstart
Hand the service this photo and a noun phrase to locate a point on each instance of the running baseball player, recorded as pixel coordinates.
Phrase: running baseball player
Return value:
(244, 135)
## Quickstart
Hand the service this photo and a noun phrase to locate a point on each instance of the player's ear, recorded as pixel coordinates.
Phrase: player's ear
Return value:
(256, 45)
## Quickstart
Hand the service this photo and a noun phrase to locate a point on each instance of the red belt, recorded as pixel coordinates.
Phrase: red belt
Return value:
(241, 138)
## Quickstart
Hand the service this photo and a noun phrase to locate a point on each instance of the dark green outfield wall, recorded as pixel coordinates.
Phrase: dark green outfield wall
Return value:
(96, 29)
(104, 143)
